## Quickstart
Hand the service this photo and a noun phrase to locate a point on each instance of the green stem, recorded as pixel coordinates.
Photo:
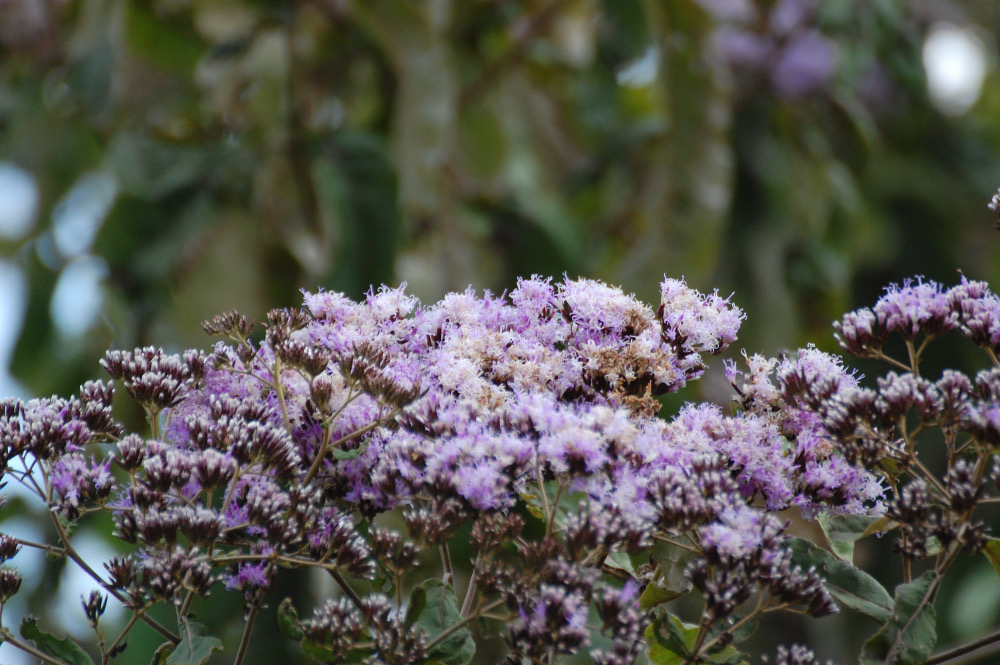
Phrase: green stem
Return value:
(245, 639)
(451, 629)
(126, 630)
(950, 654)
(9, 638)
(914, 355)
(78, 560)
(560, 486)
(346, 588)
(893, 361)
(544, 497)
(470, 593)
(449, 574)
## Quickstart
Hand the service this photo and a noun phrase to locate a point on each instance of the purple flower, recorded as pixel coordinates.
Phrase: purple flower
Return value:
(806, 64)
(813, 376)
(858, 333)
(700, 323)
(739, 531)
(914, 308)
(789, 15)
(77, 481)
(978, 311)
(741, 48)
(556, 619)
(249, 576)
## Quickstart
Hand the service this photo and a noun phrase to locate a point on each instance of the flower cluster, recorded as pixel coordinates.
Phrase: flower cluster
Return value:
(530, 418)
(784, 45)
(936, 499)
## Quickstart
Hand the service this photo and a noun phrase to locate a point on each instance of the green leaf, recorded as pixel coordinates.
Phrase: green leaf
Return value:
(843, 530)
(317, 650)
(909, 636)
(417, 604)
(741, 634)
(340, 453)
(288, 620)
(195, 648)
(669, 640)
(151, 170)
(992, 553)
(168, 45)
(62, 648)
(620, 561)
(569, 502)
(850, 586)
(356, 191)
(670, 643)
(668, 580)
(433, 607)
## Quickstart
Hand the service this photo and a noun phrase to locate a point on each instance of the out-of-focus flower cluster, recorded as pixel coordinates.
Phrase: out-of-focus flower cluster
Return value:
(540, 406)
(783, 43)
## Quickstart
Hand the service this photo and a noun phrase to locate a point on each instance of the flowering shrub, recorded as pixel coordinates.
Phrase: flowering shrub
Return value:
(360, 440)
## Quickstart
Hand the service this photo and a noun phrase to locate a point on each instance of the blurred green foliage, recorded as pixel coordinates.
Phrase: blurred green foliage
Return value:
(784, 150)
(259, 147)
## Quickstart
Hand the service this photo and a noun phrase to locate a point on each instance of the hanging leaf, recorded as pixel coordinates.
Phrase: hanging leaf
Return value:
(63, 648)
(356, 190)
(668, 581)
(288, 620)
(339, 453)
(671, 642)
(843, 530)
(195, 648)
(433, 607)
(848, 585)
(992, 553)
(910, 635)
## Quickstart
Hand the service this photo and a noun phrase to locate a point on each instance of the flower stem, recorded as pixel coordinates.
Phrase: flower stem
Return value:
(78, 560)
(9, 638)
(470, 593)
(951, 654)
(346, 588)
(245, 639)
(449, 574)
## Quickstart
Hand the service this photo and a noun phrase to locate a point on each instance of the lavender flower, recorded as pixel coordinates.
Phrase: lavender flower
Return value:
(859, 334)
(796, 655)
(10, 583)
(978, 312)
(530, 418)
(806, 64)
(77, 481)
(915, 307)
(554, 620)
(9, 547)
(336, 626)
